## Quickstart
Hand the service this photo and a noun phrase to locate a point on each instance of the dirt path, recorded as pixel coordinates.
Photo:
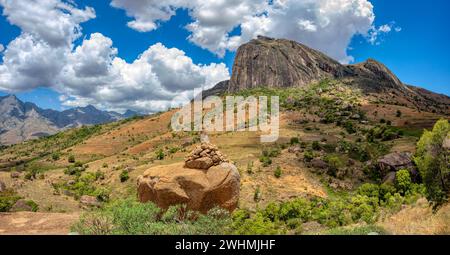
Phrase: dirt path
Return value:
(28, 223)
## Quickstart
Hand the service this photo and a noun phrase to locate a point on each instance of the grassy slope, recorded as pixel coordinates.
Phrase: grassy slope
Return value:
(132, 144)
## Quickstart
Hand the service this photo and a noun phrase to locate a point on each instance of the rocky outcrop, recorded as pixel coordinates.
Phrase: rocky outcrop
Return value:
(279, 63)
(394, 162)
(204, 156)
(21, 206)
(200, 183)
(218, 89)
(89, 202)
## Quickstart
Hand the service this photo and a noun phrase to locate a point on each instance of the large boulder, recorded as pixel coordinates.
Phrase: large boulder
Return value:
(21, 206)
(199, 189)
(394, 162)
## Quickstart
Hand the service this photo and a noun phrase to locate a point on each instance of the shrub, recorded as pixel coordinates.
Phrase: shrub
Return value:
(250, 167)
(31, 173)
(124, 176)
(403, 181)
(7, 199)
(71, 159)
(55, 156)
(278, 172)
(334, 163)
(173, 150)
(33, 205)
(369, 190)
(294, 140)
(315, 146)
(398, 114)
(349, 127)
(257, 224)
(266, 161)
(74, 170)
(308, 156)
(271, 152)
(99, 175)
(432, 161)
(160, 154)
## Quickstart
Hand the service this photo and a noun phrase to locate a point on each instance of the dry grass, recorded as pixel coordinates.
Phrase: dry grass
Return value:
(419, 219)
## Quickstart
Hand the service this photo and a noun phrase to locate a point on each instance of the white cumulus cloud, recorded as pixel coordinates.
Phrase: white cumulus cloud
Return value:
(327, 25)
(147, 84)
(44, 54)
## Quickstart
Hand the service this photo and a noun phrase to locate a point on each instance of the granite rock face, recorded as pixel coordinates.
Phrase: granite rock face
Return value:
(280, 63)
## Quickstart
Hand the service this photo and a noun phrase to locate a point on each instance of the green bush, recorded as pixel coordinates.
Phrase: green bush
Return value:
(7, 199)
(271, 152)
(433, 162)
(71, 159)
(294, 140)
(403, 181)
(55, 156)
(124, 176)
(33, 205)
(277, 172)
(335, 163)
(84, 185)
(266, 161)
(160, 154)
(349, 127)
(257, 224)
(308, 156)
(32, 173)
(74, 170)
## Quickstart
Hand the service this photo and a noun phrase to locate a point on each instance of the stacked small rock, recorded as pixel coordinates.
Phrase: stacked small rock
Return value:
(205, 156)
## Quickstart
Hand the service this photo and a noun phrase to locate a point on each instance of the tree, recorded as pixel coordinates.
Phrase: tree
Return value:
(432, 159)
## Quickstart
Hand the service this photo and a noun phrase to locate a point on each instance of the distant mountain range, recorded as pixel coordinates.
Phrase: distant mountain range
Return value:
(20, 121)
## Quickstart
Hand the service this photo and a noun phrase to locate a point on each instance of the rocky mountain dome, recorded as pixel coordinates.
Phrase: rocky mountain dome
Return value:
(281, 63)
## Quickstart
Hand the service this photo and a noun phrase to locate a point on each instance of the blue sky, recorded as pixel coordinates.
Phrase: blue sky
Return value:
(418, 53)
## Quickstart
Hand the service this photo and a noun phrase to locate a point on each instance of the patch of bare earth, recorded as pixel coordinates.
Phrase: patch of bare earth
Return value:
(30, 223)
